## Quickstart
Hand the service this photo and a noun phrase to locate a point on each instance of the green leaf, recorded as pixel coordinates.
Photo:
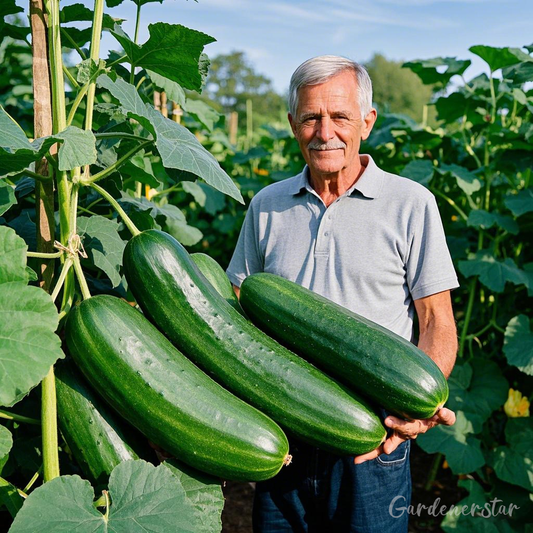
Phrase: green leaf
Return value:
(462, 450)
(88, 69)
(518, 344)
(477, 389)
(520, 203)
(103, 245)
(6, 441)
(177, 146)
(10, 497)
(7, 196)
(478, 218)
(172, 51)
(9, 7)
(420, 170)
(187, 235)
(28, 344)
(428, 69)
(140, 169)
(12, 256)
(17, 153)
(78, 148)
(466, 180)
(174, 91)
(492, 273)
(78, 12)
(203, 492)
(500, 57)
(521, 73)
(513, 467)
(202, 112)
(143, 498)
(196, 191)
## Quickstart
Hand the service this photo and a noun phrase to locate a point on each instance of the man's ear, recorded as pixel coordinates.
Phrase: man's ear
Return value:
(291, 122)
(368, 124)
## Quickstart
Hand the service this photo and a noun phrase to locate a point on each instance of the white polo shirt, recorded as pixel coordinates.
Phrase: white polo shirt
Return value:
(374, 250)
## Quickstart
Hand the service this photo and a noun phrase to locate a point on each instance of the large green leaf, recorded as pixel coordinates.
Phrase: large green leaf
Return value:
(175, 92)
(17, 153)
(520, 203)
(478, 218)
(79, 12)
(6, 441)
(202, 112)
(203, 492)
(430, 71)
(172, 51)
(103, 245)
(12, 256)
(513, 467)
(492, 273)
(500, 57)
(520, 73)
(420, 170)
(477, 389)
(177, 146)
(466, 180)
(181, 231)
(7, 196)
(28, 344)
(518, 344)
(144, 498)
(462, 450)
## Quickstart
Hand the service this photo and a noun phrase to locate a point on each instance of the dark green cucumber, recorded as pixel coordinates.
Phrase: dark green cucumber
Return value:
(217, 277)
(367, 357)
(166, 397)
(98, 439)
(169, 288)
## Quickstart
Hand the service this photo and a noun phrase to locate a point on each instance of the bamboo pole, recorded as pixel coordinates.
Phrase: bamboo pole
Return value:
(177, 112)
(164, 108)
(233, 127)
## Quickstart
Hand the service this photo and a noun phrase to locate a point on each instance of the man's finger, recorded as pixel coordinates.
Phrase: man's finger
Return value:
(392, 443)
(446, 416)
(358, 459)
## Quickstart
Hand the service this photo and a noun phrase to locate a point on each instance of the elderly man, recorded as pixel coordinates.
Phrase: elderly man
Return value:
(372, 242)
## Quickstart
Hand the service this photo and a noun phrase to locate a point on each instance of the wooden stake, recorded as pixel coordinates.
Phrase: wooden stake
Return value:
(42, 96)
(177, 112)
(164, 108)
(233, 127)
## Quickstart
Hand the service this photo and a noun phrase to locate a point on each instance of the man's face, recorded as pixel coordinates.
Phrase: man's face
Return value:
(328, 125)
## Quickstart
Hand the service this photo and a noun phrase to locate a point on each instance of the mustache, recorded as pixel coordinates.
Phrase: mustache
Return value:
(334, 144)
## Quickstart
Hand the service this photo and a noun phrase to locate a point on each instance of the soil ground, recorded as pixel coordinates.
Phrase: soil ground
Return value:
(237, 514)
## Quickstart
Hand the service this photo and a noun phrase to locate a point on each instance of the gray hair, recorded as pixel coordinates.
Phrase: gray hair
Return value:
(320, 69)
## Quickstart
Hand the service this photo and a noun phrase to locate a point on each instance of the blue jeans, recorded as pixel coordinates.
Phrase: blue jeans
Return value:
(321, 493)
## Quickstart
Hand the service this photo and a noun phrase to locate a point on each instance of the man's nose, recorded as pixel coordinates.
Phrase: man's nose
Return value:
(324, 130)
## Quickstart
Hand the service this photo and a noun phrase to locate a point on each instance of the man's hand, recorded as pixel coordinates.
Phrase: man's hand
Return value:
(407, 430)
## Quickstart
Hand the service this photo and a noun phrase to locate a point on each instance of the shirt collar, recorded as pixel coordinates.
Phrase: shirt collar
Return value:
(369, 183)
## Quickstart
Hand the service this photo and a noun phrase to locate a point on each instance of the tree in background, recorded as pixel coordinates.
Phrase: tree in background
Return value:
(396, 89)
(233, 80)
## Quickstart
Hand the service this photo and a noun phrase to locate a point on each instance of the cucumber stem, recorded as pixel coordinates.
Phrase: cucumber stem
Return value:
(81, 278)
(49, 427)
(44, 255)
(64, 271)
(126, 219)
(19, 418)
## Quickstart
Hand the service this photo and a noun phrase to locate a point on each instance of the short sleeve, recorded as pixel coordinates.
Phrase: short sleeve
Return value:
(429, 265)
(247, 258)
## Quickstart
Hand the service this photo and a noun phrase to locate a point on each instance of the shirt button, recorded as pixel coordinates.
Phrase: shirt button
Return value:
(326, 234)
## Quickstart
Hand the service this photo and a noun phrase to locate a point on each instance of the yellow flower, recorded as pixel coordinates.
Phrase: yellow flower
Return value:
(516, 405)
(261, 171)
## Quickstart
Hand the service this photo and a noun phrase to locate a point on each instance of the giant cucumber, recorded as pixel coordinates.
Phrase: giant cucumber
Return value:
(159, 391)
(171, 291)
(372, 360)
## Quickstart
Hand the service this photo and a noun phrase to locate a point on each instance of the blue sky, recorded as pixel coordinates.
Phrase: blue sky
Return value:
(278, 35)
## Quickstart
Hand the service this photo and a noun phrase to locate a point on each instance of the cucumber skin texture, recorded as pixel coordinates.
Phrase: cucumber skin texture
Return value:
(160, 392)
(217, 277)
(190, 312)
(96, 436)
(370, 359)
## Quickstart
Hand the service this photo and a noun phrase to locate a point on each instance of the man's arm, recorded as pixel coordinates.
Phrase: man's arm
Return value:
(438, 339)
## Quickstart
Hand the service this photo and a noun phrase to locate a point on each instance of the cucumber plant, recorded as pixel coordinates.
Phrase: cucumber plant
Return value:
(97, 141)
